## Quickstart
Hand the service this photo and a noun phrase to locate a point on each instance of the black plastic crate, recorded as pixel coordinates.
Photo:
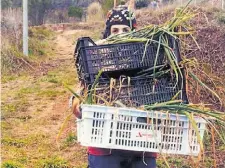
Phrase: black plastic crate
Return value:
(106, 76)
(91, 58)
(142, 91)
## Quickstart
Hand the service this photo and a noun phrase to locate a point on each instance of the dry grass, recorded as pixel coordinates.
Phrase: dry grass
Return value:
(40, 49)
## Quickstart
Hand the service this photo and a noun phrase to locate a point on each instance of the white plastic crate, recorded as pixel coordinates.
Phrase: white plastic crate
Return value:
(128, 129)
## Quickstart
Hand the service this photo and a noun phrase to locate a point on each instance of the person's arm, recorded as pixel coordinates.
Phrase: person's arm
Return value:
(76, 107)
(74, 103)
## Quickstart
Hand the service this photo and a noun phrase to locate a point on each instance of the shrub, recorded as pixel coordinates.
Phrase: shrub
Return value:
(75, 12)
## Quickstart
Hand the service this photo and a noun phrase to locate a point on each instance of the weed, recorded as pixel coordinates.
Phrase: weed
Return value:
(6, 125)
(16, 106)
(11, 164)
(14, 142)
(27, 90)
(8, 78)
(9, 108)
(56, 162)
(71, 139)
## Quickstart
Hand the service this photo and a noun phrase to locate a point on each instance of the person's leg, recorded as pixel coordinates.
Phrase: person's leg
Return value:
(151, 163)
(109, 161)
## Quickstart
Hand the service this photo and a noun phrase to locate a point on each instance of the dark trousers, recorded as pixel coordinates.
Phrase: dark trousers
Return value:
(118, 161)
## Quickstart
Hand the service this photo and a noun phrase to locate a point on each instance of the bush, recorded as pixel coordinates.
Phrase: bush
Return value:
(75, 12)
(94, 12)
(39, 41)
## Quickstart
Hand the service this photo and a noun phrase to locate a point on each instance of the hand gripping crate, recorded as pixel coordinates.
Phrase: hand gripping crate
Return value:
(137, 130)
(91, 58)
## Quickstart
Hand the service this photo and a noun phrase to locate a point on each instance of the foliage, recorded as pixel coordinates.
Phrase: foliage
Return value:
(75, 12)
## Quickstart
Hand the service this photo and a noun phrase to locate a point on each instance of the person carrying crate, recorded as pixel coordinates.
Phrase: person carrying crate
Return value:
(119, 20)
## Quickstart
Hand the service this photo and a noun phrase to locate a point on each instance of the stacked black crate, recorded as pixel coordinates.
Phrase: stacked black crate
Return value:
(125, 63)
